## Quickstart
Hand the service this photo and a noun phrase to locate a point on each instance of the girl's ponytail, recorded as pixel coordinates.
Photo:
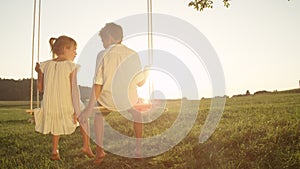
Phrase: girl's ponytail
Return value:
(52, 42)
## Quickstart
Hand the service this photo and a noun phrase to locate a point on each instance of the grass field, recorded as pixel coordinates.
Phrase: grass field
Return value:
(261, 131)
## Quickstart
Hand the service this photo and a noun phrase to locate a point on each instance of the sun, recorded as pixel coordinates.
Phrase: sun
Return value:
(159, 85)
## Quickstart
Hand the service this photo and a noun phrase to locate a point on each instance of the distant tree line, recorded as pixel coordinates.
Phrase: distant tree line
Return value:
(19, 90)
(16, 90)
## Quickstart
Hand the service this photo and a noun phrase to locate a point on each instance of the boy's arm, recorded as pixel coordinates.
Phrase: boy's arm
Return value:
(94, 95)
(145, 74)
(96, 91)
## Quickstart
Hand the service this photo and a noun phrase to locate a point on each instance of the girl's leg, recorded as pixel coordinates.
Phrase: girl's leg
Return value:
(55, 140)
(55, 153)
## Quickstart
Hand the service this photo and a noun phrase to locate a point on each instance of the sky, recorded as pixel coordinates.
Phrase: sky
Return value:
(257, 42)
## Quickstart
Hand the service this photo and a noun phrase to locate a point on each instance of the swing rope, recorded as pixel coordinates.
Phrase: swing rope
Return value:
(150, 37)
(32, 56)
(38, 52)
(150, 43)
(150, 52)
(32, 53)
(148, 105)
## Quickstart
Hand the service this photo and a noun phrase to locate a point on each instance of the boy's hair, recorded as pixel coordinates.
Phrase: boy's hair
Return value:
(112, 29)
(57, 44)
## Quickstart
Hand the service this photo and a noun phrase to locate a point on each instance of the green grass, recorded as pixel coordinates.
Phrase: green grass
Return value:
(261, 131)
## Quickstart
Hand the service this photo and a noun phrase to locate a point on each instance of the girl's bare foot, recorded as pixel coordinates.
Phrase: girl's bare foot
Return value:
(55, 155)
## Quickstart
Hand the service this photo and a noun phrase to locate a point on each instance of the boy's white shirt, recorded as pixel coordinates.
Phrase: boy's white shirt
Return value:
(113, 95)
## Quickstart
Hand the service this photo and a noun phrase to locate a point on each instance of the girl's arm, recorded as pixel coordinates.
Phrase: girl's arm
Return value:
(75, 92)
(40, 82)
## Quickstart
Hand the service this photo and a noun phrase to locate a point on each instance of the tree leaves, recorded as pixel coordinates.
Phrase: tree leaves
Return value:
(199, 5)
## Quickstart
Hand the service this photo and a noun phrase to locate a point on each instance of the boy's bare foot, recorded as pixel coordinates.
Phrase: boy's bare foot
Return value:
(138, 153)
(99, 157)
(88, 152)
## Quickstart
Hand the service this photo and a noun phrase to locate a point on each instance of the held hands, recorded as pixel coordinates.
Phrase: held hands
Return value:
(84, 115)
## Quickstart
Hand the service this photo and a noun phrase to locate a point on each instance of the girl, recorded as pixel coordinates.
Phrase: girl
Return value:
(60, 106)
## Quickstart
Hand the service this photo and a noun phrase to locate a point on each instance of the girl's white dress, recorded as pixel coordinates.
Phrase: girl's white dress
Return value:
(56, 115)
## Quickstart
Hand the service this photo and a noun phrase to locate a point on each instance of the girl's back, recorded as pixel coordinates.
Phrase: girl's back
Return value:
(57, 100)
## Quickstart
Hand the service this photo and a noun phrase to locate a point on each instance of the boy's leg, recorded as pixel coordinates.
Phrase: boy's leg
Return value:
(98, 124)
(138, 131)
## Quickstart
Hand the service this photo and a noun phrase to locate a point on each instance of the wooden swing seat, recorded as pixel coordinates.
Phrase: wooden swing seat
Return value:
(102, 110)
(141, 107)
(29, 111)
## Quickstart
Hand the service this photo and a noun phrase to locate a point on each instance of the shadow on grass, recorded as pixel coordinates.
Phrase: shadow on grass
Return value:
(12, 122)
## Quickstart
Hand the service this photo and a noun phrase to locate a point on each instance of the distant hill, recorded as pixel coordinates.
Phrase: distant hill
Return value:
(85, 92)
(19, 90)
(290, 91)
(269, 92)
